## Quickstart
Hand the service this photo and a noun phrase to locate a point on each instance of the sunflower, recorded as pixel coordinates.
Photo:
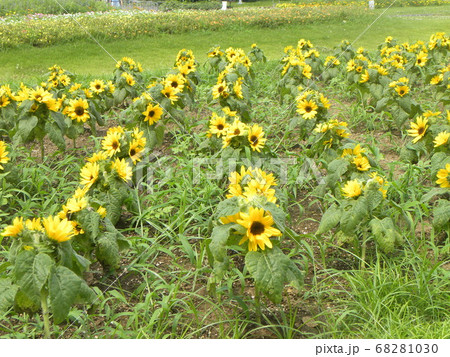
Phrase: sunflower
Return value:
(352, 189)
(89, 174)
(129, 79)
(34, 224)
(123, 169)
(138, 135)
(97, 86)
(111, 143)
(102, 211)
(437, 79)
(237, 89)
(402, 90)
(4, 100)
(259, 229)
(238, 128)
(175, 81)
(14, 229)
(421, 59)
(135, 152)
(76, 204)
(325, 102)
(3, 154)
(77, 110)
(64, 79)
(364, 77)
(307, 71)
(443, 177)
(218, 125)
(255, 189)
(153, 113)
(418, 129)
(170, 93)
(256, 137)
(60, 230)
(441, 139)
(361, 163)
(234, 191)
(98, 156)
(307, 109)
(220, 89)
(230, 219)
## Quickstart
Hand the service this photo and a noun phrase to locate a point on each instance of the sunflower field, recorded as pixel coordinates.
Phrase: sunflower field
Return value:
(230, 198)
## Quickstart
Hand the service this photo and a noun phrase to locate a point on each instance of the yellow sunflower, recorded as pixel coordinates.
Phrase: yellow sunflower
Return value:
(129, 79)
(421, 59)
(402, 90)
(78, 110)
(352, 189)
(256, 137)
(97, 86)
(102, 211)
(57, 229)
(98, 156)
(443, 177)
(175, 81)
(34, 224)
(76, 204)
(364, 77)
(361, 163)
(89, 174)
(218, 125)
(170, 93)
(111, 143)
(259, 229)
(3, 154)
(123, 169)
(418, 129)
(307, 109)
(441, 139)
(153, 113)
(237, 89)
(220, 89)
(15, 229)
(135, 152)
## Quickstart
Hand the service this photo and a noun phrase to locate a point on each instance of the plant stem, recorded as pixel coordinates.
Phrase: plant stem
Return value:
(74, 140)
(44, 307)
(257, 305)
(42, 149)
(363, 253)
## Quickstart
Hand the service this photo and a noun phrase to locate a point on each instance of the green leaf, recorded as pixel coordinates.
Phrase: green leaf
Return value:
(294, 276)
(31, 272)
(381, 105)
(405, 104)
(89, 221)
(228, 207)
(25, 127)
(385, 234)
(441, 214)
(330, 219)
(354, 215)
(278, 215)
(219, 238)
(107, 251)
(56, 135)
(7, 293)
(64, 287)
(269, 270)
(373, 196)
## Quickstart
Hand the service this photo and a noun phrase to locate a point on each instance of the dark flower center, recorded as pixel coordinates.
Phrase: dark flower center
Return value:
(254, 140)
(257, 228)
(132, 152)
(308, 109)
(97, 86)
(151, 113)
(421, 130)
(115, 145)
(237, 131)
(174, 84)
(402, 92)
(220, 127)
(79, 110)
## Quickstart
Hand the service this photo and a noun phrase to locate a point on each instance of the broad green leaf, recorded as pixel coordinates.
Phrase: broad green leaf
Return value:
(64, 287)
(107, 251)
(385, 234)
(89, 221)
(441, 214)
(405, 104)
(228, 207)
(330, 219)
(278, 215)
(219, 238)
(25, 127)
(56, 135)
(7, 293)
(269, 270)
(352, 217)
(31, 272)
(294, 276)
(373, 196)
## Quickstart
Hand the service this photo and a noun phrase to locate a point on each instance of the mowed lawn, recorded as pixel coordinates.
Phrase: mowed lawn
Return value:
(157, 53)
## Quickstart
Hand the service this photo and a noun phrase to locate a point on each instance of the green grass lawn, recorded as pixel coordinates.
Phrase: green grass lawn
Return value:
(157, 53)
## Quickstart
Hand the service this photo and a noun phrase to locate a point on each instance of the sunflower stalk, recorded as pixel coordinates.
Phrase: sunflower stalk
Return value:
(45, 317)
(258, 305)
(41, 143)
